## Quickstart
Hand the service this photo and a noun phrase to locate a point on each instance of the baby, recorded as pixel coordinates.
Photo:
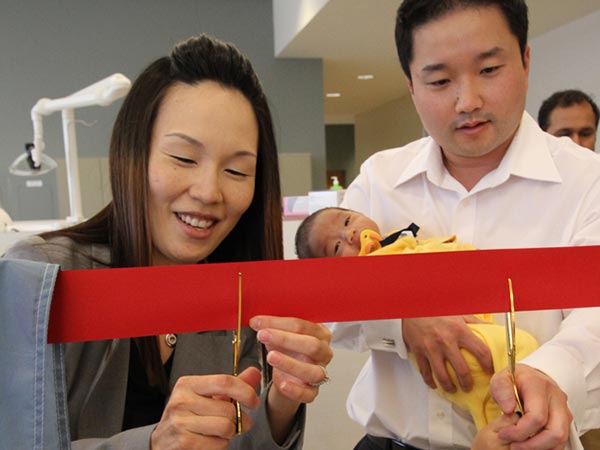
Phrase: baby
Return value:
(341, 232)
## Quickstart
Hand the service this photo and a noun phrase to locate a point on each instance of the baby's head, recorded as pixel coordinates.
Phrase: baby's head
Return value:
(332, 232)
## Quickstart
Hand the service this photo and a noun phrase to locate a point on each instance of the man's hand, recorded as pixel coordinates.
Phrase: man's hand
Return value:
(547, 418)
(435, 341)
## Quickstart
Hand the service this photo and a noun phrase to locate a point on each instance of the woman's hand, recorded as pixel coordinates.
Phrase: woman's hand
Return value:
(298, 351)
(200, 413)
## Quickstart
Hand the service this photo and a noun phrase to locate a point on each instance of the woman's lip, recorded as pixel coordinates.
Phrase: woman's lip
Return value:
(195, 231)
(197, 220)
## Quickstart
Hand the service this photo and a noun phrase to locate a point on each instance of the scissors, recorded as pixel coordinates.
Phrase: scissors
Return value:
(510, 347)
(237, 337)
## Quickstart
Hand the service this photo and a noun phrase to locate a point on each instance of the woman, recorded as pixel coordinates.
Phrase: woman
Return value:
(194, 179)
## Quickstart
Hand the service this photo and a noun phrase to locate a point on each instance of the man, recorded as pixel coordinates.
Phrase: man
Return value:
(488, 174)
(571, 113)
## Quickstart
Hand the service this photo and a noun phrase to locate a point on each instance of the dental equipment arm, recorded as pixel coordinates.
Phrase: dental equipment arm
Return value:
(101, 93)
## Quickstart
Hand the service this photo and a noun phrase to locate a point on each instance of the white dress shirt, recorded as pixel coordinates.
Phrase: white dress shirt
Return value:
(545, 193)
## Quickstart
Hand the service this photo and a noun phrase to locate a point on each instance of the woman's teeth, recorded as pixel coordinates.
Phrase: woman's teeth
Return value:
(194, 222)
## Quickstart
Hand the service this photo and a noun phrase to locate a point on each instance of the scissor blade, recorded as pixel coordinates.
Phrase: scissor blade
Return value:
(237, 337)
(511, 347)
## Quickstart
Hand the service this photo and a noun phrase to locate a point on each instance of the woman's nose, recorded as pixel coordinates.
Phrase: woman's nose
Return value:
(205, 187)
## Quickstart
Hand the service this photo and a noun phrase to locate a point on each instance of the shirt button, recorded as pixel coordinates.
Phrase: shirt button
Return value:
(440, 414)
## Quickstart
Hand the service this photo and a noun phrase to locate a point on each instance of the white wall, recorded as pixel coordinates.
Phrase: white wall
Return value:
(393, 124)
(565, 58)
(290, 17)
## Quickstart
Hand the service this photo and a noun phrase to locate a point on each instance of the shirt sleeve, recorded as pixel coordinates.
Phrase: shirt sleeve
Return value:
(572, 359)
(384, 335)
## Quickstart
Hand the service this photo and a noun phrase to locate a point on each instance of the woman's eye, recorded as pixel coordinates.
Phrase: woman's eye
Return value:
(236, 173)
(183, 160)
(347, 221)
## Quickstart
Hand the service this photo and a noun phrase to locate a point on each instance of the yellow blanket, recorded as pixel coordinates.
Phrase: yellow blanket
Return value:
(477, 401)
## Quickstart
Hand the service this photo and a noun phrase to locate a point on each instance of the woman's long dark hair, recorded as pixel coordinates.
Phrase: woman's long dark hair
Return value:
(123, 224)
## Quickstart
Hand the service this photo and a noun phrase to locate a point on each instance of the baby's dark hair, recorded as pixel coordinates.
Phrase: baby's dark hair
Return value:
(304, 230)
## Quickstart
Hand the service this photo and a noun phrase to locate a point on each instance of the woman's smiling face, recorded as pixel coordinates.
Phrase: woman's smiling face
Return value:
(201, 170)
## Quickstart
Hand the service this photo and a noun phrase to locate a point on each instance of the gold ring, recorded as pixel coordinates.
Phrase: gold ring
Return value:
(325, 379)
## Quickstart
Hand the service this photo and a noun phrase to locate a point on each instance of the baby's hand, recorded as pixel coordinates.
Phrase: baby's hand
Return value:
(487, 438)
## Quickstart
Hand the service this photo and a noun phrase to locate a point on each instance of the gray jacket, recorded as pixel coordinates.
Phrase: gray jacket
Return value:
(97, 371)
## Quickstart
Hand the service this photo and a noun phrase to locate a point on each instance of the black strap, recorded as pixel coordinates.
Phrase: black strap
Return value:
(410, 230)
(389, 444)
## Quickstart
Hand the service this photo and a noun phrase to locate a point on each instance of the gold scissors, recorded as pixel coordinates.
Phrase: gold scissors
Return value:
(237, 337)
(511, 348)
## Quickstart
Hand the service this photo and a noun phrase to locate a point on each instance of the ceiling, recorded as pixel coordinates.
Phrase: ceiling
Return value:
(355, 37)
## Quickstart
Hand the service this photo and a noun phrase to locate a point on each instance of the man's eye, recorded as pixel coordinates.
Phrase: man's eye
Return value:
(489, 70)
(439, 83)
(347, 221)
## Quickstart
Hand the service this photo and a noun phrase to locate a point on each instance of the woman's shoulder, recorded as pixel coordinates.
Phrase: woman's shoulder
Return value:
(61, 250)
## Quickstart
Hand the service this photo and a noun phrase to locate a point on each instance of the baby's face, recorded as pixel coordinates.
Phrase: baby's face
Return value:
(337, 233)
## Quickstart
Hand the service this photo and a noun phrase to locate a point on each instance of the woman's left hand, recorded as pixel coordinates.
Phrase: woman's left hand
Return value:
(298, 351)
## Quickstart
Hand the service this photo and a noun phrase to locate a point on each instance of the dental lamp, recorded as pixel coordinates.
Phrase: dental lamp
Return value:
(101, 93)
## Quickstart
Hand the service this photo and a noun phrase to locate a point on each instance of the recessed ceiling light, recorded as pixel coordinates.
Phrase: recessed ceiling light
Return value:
(333, 94)
(366, 76)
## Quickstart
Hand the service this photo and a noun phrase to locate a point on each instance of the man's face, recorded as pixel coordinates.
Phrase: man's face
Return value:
(576, 121)
(469, 82)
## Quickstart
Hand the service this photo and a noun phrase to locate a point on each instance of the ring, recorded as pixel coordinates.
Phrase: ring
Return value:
(325, 379)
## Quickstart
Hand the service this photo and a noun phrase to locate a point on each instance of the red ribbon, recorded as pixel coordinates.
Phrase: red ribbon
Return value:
(119, 303)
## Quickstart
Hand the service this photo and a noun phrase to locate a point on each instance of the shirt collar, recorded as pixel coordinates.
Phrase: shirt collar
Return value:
(428, 159)
(527, 157)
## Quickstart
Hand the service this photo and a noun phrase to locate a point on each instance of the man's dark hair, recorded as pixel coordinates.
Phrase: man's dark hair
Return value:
(414, 13)
(564, 99)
